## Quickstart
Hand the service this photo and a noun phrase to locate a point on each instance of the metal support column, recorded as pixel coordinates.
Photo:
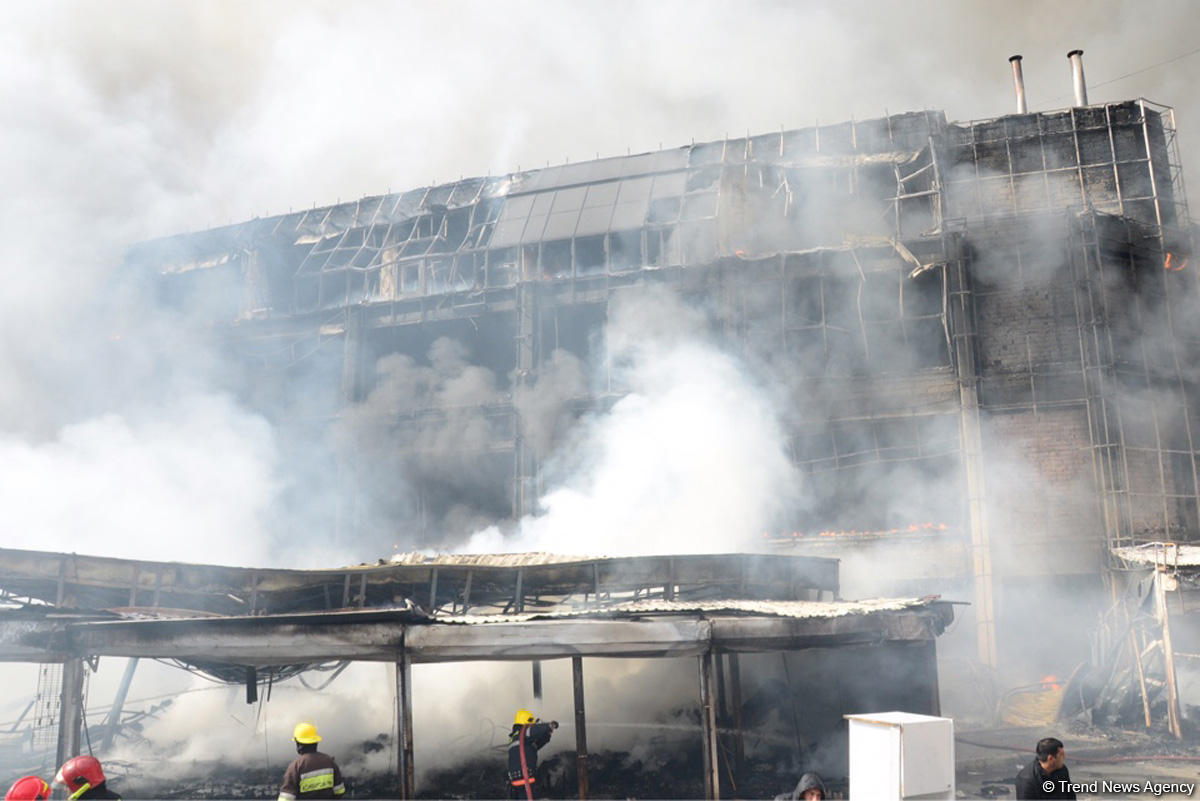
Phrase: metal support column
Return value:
(113, 721)
(404, 744)
(351, 389)
(70, 710)
(1162, 613)
(735, 693)
(524, 453)
(581, 754)
(1096, 348)
(960, 321)
(722, 705)
(708, 723)
(931, 665)
(1136, 652)
(352, 357)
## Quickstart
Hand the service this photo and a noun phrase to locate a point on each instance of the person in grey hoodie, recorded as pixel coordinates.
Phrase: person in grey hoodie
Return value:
(809, 788)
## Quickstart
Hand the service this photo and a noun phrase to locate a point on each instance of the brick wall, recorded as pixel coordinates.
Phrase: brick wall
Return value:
(1042, 503)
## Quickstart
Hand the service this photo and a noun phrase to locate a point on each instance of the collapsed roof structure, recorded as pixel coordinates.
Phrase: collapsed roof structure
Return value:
(1151, 630)
(236, 623)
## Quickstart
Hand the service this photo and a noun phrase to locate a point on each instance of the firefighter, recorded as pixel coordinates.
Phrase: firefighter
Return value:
(527, 736)
(312, 774)
(84, 778)
(28, 788)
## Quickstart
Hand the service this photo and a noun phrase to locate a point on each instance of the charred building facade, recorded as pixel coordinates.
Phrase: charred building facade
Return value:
(985, 332)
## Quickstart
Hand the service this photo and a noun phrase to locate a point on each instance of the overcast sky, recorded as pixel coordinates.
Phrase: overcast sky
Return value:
(170, 116)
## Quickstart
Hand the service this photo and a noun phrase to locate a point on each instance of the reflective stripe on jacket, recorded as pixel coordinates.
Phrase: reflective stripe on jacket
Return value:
(536, 736)
(312, 775)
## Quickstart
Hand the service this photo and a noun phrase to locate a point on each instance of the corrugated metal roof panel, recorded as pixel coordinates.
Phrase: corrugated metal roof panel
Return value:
(490, 559)
(792, 609)
(1162, 553)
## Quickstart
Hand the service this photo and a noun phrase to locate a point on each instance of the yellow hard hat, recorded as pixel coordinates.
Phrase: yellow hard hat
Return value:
(305, 733)
(523, 718)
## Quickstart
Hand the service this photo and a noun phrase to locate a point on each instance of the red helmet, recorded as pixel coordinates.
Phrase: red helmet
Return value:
(80, 774)
(27, 788)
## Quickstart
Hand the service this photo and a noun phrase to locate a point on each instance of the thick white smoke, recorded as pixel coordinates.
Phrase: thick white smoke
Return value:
(690, 460)
(145, 488)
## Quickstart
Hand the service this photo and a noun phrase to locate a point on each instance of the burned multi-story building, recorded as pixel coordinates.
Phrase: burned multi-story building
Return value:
(984, 332)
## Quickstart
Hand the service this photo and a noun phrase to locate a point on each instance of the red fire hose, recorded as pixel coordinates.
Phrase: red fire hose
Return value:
(524, 764)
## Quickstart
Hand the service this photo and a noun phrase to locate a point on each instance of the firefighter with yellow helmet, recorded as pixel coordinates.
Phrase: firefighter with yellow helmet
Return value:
(527, 736)
(312, 774)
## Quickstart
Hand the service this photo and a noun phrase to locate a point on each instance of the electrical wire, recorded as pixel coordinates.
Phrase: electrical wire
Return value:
(87, 735)
(1076, 758)
(1171, 60)
(1151, 67)
(337, 672)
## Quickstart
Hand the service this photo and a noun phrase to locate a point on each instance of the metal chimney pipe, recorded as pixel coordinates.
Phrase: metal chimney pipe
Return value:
(1018, 84)
(1076, 58)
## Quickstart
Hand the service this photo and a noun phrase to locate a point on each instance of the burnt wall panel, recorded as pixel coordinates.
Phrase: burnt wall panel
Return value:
(1042, 503)
(787, 242)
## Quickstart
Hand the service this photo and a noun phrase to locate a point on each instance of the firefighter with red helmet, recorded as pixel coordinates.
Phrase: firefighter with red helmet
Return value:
(84, 778)
(28, 788)
(312, 774)
(527, 736)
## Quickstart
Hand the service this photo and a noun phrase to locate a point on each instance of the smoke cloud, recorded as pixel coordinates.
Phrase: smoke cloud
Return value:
(124, 434)
(690, 459)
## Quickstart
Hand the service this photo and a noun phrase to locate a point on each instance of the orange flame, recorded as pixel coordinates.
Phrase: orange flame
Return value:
(1174, 263)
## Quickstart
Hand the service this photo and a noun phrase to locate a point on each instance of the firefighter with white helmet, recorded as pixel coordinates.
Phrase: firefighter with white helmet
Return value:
(312, 774)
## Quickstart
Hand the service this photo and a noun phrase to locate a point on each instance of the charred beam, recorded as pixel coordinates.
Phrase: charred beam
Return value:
(581, 755)
(114, 714)
(70, 713)
(404, 720)
(708, 722)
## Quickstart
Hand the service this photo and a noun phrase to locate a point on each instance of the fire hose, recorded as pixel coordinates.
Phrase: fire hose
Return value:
(524, 764)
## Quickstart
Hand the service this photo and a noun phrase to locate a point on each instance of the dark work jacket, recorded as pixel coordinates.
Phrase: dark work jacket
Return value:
(536, 736)
(1031, 779)
(100, 791)
(312, 775)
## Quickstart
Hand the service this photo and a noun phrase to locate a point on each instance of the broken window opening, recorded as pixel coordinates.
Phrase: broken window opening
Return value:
(410, 278)
(466, 271)
(403, 230)
(664, 210)
(437, 276)
(625, 250)
(704, 178)
(307, 293)
(502, 267)
(456, 226)
(556, 259)
(589, 255)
